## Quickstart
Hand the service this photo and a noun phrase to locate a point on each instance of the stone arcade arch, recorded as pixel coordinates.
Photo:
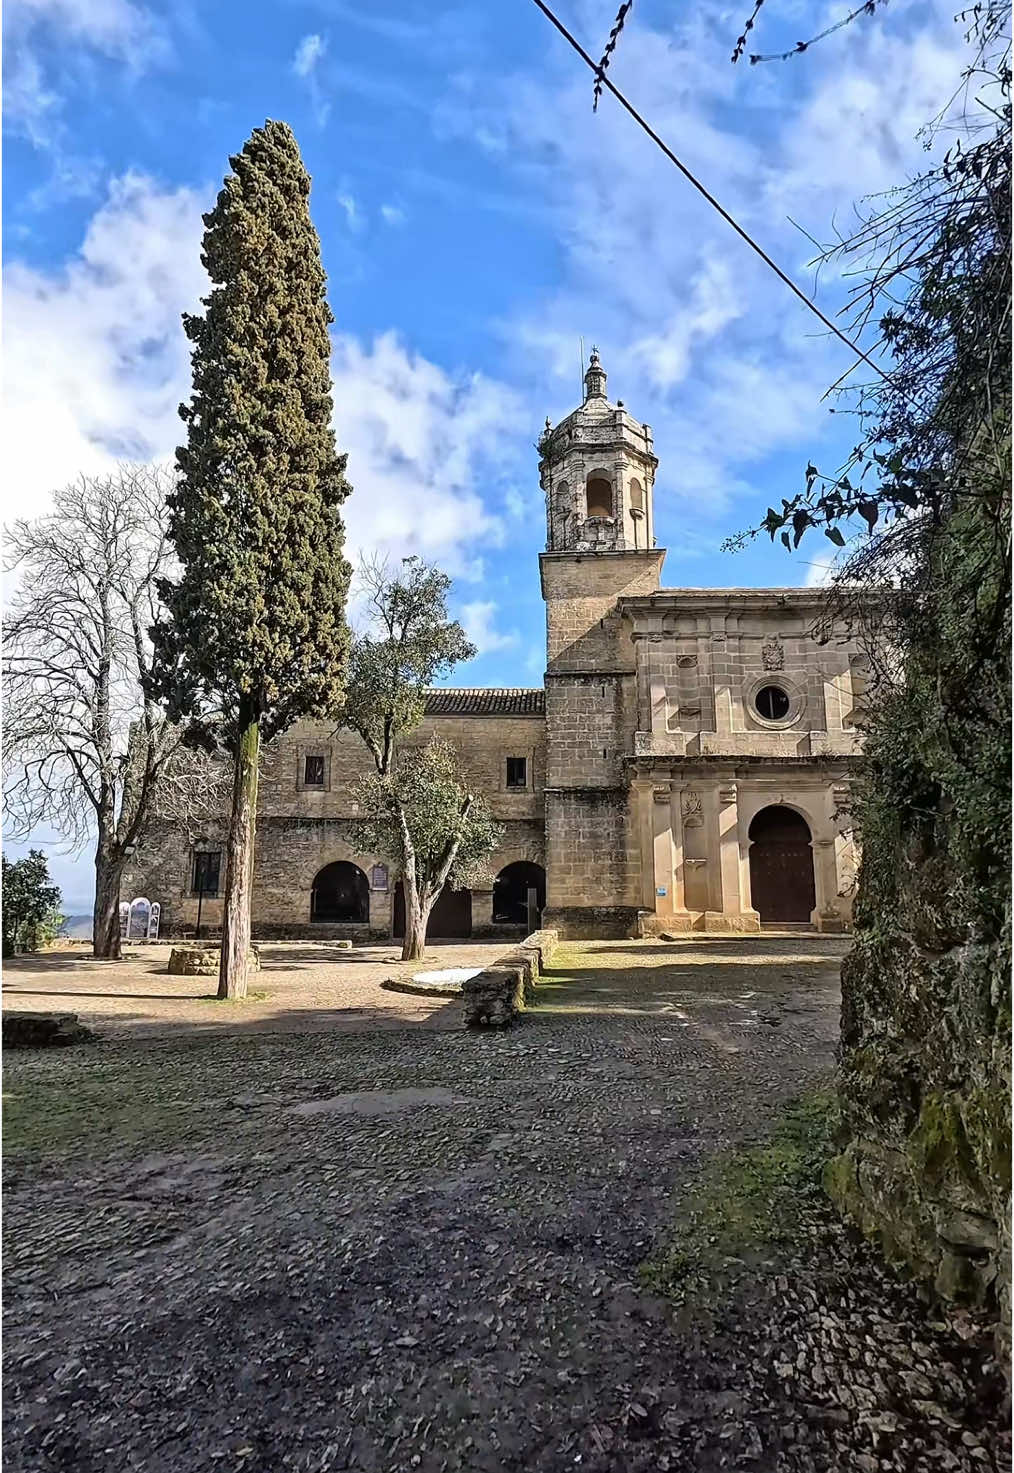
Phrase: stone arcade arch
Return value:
(782, 887)
(340, 892)
(510, 892)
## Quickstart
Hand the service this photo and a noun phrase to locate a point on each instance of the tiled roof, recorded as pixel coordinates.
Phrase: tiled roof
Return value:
(486, 701)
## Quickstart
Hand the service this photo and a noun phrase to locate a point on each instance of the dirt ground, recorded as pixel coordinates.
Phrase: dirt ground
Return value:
(372, 1241)
(301, 984)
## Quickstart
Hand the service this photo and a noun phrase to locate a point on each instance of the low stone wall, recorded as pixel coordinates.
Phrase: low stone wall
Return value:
(352, 932)
(203, 961)
(43, 1030)
(594, 922)
(495, 996)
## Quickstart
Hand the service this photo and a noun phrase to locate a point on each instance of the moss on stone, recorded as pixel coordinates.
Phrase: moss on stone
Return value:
(938, 1145)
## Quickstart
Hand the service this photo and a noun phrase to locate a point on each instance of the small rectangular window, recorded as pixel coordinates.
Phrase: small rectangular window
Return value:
(313, 772)
(517, 772)
(207, 871)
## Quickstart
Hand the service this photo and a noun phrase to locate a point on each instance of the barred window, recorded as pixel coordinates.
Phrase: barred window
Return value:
(207, 871)
(517, 772)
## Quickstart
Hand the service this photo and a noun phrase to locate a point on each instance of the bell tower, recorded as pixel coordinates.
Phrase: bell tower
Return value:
(597, 469)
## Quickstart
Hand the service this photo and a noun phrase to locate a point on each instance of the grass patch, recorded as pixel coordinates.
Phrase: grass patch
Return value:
(749, 1201)
(93, 1114)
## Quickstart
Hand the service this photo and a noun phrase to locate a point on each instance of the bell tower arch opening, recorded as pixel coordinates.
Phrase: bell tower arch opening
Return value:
(599, 495)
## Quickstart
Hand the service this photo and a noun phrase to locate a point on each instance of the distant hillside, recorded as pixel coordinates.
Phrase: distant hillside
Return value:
(77, 928)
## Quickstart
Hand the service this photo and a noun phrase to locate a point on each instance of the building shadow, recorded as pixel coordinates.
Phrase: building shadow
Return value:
(748, 946)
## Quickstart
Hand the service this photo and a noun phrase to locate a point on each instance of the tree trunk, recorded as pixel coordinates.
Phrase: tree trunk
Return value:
(417, 918)
(232, 972)
(106, 914)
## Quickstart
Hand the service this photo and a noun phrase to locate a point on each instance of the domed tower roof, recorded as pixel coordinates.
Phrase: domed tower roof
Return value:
(597, 470)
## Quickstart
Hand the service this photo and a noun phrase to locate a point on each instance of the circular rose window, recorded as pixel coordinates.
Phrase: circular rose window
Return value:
(772, 703)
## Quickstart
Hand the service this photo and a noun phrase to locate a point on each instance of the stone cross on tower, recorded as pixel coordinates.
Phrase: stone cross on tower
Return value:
(598, 470)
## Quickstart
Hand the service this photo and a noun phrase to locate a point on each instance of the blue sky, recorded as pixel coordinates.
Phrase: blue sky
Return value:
(476, 220)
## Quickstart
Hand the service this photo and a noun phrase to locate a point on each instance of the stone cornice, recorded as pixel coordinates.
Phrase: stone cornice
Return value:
(647, 764)
(665, 600)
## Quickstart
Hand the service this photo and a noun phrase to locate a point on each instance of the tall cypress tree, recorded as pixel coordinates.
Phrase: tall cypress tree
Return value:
(256, 629)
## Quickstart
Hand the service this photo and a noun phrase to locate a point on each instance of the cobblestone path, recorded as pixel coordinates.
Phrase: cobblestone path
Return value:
(398, 1249)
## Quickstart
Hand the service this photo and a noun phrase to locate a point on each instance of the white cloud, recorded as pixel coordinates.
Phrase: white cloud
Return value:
(306, 64)
(820, 570)
(97, 363)
(477, 619)
(854, 136)
(96, 360)
(698, 336)
(31, 107)
(421, 442)
(392, 215)
(117, 28)
(350, 205)
(64, 32)
(308, 54)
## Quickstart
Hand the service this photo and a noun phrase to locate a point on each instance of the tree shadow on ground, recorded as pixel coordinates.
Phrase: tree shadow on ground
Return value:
(118, 996)
(747, 946)
(227, 1017)
(80, 961)
(664, 990)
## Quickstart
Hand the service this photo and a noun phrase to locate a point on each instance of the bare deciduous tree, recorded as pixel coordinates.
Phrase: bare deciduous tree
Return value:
(87, 751)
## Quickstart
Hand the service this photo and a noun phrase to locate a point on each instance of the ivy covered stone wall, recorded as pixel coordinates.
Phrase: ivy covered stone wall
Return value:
(925, 1049)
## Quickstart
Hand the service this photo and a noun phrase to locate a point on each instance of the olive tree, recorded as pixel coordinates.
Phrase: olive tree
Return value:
(407, 642)
(425, 816)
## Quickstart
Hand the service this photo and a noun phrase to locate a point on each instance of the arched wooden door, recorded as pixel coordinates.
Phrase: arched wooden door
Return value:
(450, 918)
(781, 866)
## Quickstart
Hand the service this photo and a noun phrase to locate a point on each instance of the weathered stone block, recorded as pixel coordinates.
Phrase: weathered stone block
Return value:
(494, 998)
(43, 1030)
(203, 961)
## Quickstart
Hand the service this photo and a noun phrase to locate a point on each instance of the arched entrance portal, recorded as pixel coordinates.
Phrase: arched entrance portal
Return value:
(341, 892)
(510, 892)
(781, 866)
(450, 918)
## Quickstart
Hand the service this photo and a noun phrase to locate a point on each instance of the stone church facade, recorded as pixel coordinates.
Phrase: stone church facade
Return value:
(685, 767)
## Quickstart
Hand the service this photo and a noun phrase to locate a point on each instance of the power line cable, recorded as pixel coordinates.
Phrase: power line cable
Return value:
(601, 77)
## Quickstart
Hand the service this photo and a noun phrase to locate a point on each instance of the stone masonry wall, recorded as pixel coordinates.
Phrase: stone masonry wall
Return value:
(483, 745)
(926, 991)
(703, 654)
(301, 829)
(593, 861)
(290, 853)
(592, 853)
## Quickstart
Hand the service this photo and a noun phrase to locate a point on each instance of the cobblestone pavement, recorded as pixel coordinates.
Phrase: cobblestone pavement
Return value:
(417, 1249)
(298, 982)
